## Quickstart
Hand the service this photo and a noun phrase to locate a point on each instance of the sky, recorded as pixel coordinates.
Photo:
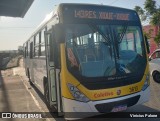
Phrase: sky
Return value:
(15, 31)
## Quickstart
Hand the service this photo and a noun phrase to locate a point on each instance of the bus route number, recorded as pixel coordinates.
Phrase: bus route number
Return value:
(133, 89)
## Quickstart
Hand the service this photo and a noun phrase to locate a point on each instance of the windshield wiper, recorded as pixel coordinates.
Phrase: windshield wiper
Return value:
(111, 38)
(122, 33)
(118, 38)
(106, 38)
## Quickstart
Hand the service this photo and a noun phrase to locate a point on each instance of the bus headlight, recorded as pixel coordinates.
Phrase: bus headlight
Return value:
(77, 94)
(146, 83)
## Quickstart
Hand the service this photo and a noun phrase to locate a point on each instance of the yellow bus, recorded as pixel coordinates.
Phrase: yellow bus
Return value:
(89, 58)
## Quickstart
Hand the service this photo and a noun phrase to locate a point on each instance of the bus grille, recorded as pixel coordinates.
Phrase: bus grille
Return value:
(107, 107)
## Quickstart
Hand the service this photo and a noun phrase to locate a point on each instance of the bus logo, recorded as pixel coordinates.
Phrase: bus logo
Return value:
(103, 94)
(118, 92)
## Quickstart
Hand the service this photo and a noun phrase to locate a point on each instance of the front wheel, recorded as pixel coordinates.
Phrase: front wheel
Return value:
(156, 76)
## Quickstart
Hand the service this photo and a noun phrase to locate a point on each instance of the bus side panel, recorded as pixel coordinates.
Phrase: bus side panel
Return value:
(39, 72)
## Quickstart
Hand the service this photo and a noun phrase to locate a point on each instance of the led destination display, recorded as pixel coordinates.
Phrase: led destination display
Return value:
(101, 15)
(78, 13)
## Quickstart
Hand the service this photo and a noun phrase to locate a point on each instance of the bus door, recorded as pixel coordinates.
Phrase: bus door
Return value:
(51, 73)
(31, 75)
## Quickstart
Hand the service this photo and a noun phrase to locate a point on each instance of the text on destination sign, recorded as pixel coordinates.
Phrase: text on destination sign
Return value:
(88, 14)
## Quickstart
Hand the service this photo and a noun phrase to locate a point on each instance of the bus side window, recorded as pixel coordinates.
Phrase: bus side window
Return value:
(39, 49)
(51, 48)
(31, 50)
(42, 44)
(36, 51)
(36, 45)
(25, 52)
(42, 50)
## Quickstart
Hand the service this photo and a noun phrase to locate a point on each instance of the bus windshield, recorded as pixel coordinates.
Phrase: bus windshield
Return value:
(104, 50)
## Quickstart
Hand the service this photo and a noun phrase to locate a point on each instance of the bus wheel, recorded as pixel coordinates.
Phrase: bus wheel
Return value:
(46, 93)
(156, 76)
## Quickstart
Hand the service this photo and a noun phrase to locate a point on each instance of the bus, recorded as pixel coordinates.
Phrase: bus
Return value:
(89, 58)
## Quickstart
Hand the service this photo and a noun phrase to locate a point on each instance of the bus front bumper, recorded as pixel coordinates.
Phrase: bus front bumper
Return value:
(91, 108)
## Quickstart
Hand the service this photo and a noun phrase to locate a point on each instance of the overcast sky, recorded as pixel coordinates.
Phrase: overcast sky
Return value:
(15, 31)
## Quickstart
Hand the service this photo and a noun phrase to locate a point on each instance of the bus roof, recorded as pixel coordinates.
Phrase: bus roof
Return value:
(96, 5)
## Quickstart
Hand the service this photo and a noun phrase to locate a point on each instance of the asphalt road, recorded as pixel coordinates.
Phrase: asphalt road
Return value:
(16, 95)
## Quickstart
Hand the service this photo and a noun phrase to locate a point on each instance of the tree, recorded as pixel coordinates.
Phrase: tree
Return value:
(151, 13)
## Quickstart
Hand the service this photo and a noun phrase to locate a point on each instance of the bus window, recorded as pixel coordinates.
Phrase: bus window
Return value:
(51, 49)
(50, 46)
(36, 46)
(42, 43)
(104, 53)
(37, 39)
(27, 49)
(42, 50)
(36, 51)
(42, 36)
(39, 51)
(25, 52)
(31, 50)
(131, 40)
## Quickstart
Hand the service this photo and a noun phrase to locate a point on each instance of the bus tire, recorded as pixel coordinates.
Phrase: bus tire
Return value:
(156, 76)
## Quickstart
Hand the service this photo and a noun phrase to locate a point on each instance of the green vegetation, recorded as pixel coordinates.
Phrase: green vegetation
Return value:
(150, 13)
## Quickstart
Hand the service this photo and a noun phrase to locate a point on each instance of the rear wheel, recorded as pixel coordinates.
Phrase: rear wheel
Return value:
(156, 76)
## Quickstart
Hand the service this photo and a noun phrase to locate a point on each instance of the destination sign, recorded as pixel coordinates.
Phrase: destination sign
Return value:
(85, 13)
(101, 15)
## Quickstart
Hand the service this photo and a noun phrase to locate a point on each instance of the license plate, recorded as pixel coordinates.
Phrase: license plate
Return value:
(119, 108)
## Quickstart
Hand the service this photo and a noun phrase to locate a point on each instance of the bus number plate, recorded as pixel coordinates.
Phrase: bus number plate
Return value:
(119, 108)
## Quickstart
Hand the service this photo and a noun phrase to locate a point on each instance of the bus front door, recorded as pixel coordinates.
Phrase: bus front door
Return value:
(51, 74)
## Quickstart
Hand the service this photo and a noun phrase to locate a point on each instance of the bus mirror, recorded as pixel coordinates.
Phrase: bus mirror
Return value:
(147, 44)
(58, 31)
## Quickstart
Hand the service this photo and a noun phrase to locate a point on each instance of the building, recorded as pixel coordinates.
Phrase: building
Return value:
(153, 31)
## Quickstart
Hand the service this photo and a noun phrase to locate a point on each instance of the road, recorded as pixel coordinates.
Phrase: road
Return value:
(16, 95)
